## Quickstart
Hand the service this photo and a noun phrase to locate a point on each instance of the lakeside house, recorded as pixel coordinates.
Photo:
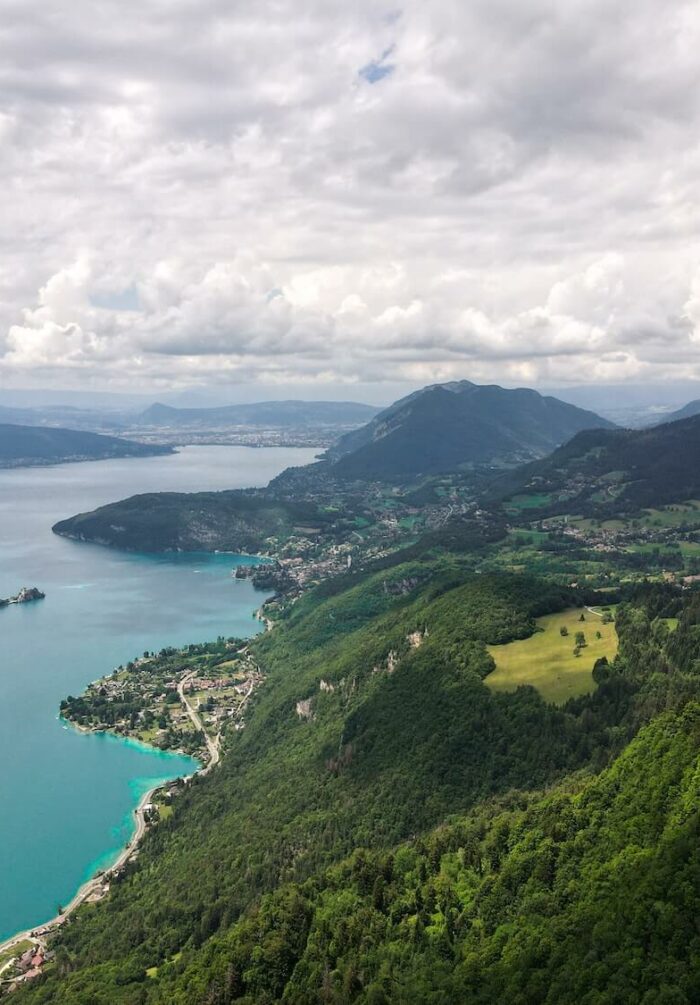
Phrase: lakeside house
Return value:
(30, 964)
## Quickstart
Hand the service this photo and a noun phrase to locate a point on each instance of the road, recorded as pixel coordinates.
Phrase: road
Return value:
(212, 745)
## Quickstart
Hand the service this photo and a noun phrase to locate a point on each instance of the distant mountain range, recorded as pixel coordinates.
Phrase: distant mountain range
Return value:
(439, 429)
(27, 446)
(278, 414)
(63, 416)
(611, 471)
(447, 426)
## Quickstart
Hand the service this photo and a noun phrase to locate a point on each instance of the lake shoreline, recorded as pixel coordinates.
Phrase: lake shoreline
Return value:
(96, 886)
(104, 607)
(98, 883)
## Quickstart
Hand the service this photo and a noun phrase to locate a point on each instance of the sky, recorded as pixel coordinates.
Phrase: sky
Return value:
(345, 196)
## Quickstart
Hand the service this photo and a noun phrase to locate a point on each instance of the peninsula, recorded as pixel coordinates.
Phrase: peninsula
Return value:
(32, 446)
(178, 699)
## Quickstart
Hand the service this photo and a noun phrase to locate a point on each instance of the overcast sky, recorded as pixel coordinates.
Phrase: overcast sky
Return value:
(312, 193)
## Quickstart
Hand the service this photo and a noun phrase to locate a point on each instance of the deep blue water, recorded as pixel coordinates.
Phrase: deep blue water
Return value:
(66, 798)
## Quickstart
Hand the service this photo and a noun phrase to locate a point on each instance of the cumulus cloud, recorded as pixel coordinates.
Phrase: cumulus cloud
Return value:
(205, 192)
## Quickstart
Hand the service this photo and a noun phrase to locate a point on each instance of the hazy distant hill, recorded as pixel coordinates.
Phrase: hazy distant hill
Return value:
(278, 414)
(446, 426)
(65, 417)
(613, 471)
(24, 446)
(692, 408)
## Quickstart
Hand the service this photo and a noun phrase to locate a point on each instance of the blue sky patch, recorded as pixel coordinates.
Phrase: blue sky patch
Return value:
(378, 68)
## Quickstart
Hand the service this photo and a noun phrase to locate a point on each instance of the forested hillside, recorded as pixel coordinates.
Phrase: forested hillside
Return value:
(443, 427)
(612, 471)
(22, 446)
(373, 729)
(192, 521)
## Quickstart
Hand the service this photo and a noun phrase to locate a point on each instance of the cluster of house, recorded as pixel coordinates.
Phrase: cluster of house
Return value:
(203, 684)
(30, 963)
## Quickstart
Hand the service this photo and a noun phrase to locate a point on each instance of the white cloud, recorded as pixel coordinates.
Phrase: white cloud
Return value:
(516, 199)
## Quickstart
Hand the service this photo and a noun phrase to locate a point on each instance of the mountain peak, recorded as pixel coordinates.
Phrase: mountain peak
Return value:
(459, 424)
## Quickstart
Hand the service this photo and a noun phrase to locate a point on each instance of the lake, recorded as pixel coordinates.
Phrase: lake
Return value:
(67, 798)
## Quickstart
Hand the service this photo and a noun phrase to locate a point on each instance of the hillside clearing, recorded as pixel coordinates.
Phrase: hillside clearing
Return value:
(546, 660)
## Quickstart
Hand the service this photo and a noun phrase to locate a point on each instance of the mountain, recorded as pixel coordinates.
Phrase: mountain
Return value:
(447, 426)
(386, 828)
(25, 446)
(611, 471)
(692, 408)
(263, 413)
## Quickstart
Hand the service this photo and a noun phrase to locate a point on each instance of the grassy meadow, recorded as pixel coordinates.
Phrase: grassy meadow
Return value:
(546, 660)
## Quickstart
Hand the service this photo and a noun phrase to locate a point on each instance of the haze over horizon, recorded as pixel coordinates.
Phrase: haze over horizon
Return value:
(375, 197)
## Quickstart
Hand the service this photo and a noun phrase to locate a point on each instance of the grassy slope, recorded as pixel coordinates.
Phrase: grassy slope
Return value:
(546, 660)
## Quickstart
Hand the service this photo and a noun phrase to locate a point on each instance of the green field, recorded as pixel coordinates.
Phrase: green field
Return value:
(546, 660)
(588, 523)
(534, 537)
(521, 502)
(15, 951)
(673, 515)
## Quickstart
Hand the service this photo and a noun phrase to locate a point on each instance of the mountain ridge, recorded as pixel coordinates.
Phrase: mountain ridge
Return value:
(262, 413)
(445, 426)
(612, 470)
(686, 412)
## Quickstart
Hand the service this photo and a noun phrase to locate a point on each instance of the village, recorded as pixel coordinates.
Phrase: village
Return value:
(177, 699)
(24, 963)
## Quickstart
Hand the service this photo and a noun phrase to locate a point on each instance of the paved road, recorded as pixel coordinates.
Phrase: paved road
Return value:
(212, 745)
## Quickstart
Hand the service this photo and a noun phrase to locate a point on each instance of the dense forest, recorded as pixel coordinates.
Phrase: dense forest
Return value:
(235, 520)
(388, 829)
(26, 446)
(442, 427)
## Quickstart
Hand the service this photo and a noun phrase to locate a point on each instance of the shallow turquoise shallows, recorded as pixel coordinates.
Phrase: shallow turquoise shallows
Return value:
(67, 799)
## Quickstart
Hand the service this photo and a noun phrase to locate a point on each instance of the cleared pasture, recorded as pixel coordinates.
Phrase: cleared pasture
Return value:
(547, 661)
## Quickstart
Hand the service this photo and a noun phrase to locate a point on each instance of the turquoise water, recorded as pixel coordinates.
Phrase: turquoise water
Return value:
(66, 798)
